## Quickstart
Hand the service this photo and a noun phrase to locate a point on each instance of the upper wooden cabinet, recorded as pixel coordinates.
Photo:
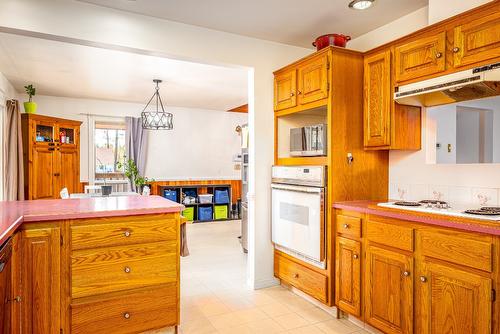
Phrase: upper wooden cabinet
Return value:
(50, 165)
(313, 79)
(302, 83)
(477, 40)
(419, 58)
(285, 92)
(451, 300)
(389, 290)
(377, 99)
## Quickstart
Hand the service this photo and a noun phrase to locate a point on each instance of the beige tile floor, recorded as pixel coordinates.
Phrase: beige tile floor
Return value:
(216, 299)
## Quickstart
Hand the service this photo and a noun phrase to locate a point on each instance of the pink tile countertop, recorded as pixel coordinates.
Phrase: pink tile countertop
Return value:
(15, 213)
(465, 224)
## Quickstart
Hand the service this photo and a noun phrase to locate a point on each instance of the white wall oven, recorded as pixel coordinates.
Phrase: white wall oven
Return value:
(299, 211)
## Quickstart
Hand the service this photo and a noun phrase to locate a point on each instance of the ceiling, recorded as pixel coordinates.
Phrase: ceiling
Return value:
(70, 70)
(294, 22)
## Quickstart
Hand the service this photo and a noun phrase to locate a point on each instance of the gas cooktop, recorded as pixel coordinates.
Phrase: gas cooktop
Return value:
(444, 208)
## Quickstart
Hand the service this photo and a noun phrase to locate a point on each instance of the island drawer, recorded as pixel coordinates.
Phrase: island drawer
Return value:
(126, 313)
(389, 232)
(105, 232)
(103, 270)
(349, 226)
(456, 247)
(301, 277)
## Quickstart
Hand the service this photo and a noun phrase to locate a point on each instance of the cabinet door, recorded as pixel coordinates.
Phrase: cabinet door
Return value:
(313, 79)
(348, 278)
(40, 280)
(422, 57)
(452, 301)
(42, 172)
(477, 40)
(389, 290)
(285, 90)
(68, 175)
(377, 100)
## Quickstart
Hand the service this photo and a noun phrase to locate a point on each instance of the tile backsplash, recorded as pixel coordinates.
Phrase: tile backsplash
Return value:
(452, 194)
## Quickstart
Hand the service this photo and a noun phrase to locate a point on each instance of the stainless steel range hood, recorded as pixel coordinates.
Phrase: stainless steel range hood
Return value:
(466, 85)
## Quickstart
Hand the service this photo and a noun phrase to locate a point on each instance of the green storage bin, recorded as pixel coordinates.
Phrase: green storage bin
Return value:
(220, 211)
(189, 213)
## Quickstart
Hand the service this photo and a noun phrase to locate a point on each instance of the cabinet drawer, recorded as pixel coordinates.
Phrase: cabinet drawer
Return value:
(390, 234)
(131, 230)
(301, 277)
(126, 313)
(103, 270)
(457, 248)
(349, 226)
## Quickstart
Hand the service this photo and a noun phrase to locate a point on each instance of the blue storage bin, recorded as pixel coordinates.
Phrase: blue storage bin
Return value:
(205, 213)
(190, 192)
(221, 196)
(170, 194)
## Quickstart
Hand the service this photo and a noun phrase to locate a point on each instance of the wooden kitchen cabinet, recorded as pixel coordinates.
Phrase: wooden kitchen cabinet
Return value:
(50, 165)
(313, 79)
(421, 57)
(39, 285)
(451, 300)
(285, 90)
(348, 279)
(389, 290)
(477, 40)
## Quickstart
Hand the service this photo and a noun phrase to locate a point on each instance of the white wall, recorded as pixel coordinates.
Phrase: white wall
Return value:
(443, 9)
(201, 145)
(85, 23)
(7, 92)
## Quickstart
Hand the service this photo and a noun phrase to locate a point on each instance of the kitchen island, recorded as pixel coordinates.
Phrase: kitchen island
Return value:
(96, 265)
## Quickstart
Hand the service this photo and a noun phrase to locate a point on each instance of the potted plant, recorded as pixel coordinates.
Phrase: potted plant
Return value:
(132, 173)
(30, 106)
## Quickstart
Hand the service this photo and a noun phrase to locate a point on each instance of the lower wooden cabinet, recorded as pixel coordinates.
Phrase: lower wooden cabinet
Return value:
(348, 278)
(389, 290)
(39, 287)
(450, 300)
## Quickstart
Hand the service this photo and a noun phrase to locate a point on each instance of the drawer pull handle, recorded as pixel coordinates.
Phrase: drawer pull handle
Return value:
(127, 234)
(406, 273)
(439, 55)
(127, 269)
(423, 279)
(292, 94)
(126, 315)
(456, 49)
(295, 275)
(355, 256)
(346, 226)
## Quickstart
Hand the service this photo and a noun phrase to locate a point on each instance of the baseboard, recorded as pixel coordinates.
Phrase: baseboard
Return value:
(267, 283)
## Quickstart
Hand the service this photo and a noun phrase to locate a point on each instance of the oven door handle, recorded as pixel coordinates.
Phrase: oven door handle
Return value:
(301, 189)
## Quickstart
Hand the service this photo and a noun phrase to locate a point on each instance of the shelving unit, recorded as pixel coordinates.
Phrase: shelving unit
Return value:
(195, 191)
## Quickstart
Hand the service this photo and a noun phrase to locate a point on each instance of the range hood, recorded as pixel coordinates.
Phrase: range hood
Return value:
(465, 85)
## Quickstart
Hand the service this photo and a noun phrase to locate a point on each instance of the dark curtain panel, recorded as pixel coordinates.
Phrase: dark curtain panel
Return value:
(136, 143)
(13, 154)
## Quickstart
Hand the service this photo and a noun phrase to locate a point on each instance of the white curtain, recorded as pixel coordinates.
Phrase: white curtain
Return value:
(13, 154)
(136, 143)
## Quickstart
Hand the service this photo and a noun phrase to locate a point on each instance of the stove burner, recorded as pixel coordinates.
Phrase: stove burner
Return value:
(405, 203)
(491, 208)
(482, 212)
(432, 201)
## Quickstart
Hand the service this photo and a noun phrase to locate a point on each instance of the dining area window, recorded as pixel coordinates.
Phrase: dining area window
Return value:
(109, 139)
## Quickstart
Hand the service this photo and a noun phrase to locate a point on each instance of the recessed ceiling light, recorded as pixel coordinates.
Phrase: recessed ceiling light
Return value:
(361, 4)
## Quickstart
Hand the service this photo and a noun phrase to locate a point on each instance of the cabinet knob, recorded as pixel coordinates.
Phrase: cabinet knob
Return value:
(406, 273)
(126, 315)
(355, 256)
(439, 55)
(346, 226)
(292, 94)
(126, 269)
(423, 279)
(456, 49)
(127, 234)
(295, 275)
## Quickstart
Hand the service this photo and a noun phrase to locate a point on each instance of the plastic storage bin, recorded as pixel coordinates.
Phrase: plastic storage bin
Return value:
(189, 213)
(221, 196)
(190, 192)
(170, 194)
(205, 213)
(205, 198)
(220, 211)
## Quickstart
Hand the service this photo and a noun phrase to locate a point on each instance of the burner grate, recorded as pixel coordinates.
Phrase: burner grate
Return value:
(406, 203)
(485, 211)
(432, 201)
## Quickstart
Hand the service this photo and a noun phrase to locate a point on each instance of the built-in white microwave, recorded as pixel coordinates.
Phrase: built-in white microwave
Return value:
(308, 141)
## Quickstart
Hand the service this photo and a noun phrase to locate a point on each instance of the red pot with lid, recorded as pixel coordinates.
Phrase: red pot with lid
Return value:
(331, 39)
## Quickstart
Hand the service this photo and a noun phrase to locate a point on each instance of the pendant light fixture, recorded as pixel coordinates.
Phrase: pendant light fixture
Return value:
(155, 118)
